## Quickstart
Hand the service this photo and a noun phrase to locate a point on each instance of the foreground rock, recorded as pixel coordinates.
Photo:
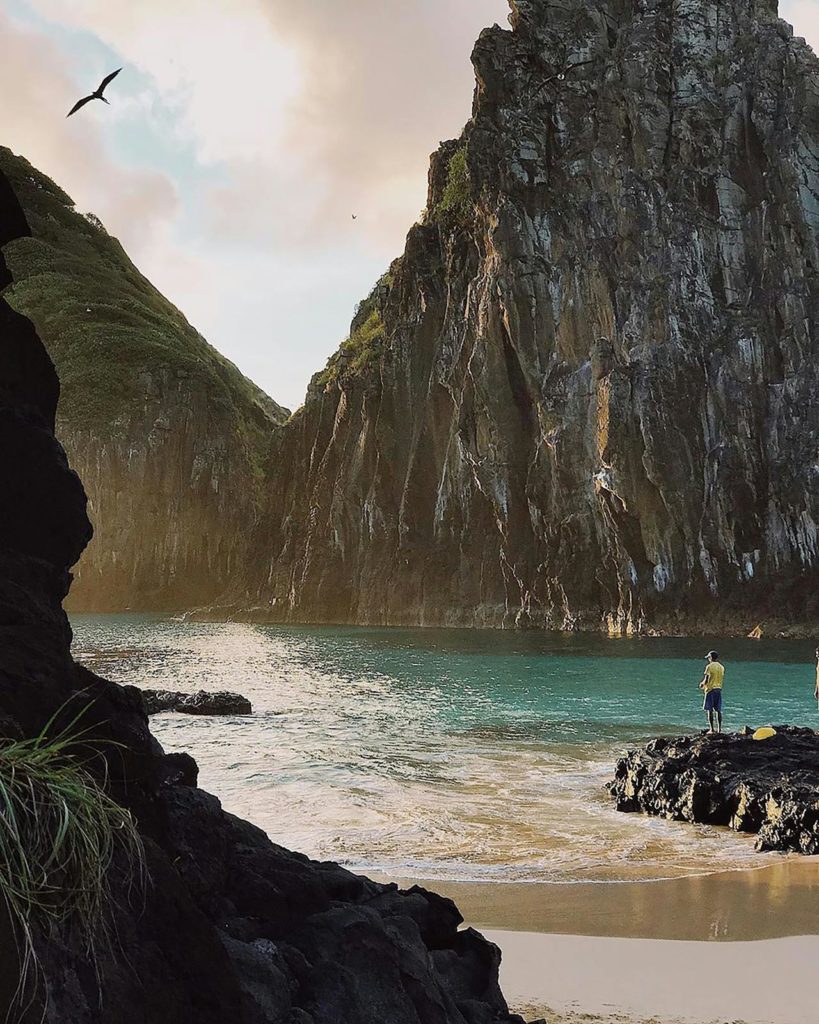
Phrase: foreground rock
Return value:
(229, 927)
(199, 703)
(770, 787)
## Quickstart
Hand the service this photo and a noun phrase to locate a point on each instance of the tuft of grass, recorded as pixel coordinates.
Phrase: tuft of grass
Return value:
(60, 835)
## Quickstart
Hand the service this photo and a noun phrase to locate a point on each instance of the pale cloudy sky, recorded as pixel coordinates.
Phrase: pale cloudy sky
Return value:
(241, 137)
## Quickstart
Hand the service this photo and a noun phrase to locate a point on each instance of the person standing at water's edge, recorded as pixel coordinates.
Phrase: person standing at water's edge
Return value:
(816, 688)
(711, 686)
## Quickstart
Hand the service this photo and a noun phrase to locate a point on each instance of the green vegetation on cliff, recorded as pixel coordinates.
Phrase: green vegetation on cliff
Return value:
(362, 349)
(458, 201)
(103, 323)
(359, 351)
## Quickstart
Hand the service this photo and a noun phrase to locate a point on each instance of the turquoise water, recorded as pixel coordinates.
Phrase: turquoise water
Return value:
(449, 753)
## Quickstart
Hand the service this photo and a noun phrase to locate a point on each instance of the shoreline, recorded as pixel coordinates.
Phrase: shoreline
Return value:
(737, 946)
(760, 903)
(772, 629)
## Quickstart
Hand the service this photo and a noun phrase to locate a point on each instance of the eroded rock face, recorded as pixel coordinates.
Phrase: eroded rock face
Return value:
(230, 926)
(594, 404)
(770, 787)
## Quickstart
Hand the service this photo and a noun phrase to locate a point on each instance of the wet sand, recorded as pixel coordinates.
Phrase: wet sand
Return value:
(739, 906)
(739, 946)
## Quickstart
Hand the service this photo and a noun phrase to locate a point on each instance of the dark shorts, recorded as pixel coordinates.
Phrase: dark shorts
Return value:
(713, 700)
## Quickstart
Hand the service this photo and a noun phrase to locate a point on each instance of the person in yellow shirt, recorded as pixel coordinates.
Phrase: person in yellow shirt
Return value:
(711, 686)
(816, 688)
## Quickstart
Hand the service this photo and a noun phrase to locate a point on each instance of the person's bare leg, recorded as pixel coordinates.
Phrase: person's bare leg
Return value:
(719, 721)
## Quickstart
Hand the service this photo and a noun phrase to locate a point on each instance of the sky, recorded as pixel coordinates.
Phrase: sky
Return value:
(240, 139)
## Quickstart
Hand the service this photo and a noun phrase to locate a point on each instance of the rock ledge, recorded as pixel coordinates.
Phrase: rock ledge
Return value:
(769, 787)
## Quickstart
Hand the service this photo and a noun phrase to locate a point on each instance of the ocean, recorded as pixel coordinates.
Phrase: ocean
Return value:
(450, 754)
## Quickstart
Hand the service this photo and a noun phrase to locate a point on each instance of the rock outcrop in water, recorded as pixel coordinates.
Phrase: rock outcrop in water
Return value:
(769, 787)
(230, 926)
(586, 396)
(203, 702)
(169, 437)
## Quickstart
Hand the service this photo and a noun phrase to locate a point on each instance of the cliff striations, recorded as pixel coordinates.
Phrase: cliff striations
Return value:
(169, 437)
(586, 396)
(226, 926)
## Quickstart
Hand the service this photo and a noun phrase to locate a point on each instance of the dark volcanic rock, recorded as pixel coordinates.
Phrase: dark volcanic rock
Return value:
(229, 927)
(587, 396)
(199, 703)
(769, 786)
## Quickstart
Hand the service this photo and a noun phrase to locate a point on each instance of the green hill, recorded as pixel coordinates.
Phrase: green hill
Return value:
(168, 436)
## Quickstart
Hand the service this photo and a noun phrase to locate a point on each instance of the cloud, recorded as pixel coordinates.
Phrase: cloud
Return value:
(314, 110)
(383, 83)
(217, 65)
(32, 111)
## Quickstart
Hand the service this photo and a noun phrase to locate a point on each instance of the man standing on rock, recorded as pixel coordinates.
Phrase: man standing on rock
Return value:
(711, 686)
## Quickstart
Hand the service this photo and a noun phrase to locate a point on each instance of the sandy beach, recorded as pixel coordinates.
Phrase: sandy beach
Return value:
(739, 946)
(574, 978)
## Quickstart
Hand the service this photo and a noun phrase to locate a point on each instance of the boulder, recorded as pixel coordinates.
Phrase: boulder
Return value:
(769, 788)
(200, 703)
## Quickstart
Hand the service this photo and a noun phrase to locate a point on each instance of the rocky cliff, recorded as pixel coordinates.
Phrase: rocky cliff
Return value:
(168, 436)
(586, 396)
(226, 926)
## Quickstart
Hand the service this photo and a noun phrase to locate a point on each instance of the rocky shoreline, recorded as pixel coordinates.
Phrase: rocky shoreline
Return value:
(768, 787)
(731, 624)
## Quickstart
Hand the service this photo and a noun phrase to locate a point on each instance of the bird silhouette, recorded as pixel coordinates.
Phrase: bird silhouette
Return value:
(96, 94)
(355, 217)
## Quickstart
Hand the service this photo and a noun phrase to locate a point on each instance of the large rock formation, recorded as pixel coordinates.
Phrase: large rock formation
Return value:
(229, 926)
(587, 396)
(769, 787)
(168, 436)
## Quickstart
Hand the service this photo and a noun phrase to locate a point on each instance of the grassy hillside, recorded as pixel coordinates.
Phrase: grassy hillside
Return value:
(101, 319)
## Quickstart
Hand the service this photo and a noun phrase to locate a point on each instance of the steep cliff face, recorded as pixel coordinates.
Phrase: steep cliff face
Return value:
(167, 435)
(586, 396)
(226, 926)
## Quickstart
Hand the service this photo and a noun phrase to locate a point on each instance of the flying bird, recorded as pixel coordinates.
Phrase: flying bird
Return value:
(355, 217)
(96, 94)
